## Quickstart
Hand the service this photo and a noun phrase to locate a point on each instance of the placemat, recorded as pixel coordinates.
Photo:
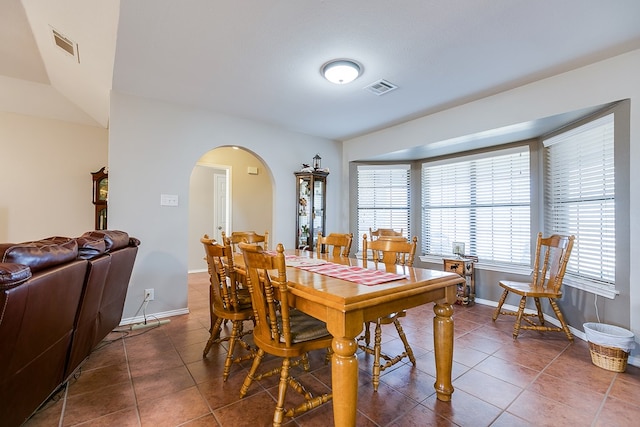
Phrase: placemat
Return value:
(360, 275)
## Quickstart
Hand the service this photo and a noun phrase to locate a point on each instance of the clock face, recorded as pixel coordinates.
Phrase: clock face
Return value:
(103, 189)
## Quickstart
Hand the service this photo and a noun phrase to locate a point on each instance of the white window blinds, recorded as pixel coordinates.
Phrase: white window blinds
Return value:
(580, 196)
(383, 198)
(483, 201)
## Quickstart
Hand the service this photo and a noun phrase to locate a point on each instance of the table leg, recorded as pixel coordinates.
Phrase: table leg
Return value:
(443, 347)
(344, 373)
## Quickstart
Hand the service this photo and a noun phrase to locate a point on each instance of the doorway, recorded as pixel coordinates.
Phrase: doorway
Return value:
(230, 189)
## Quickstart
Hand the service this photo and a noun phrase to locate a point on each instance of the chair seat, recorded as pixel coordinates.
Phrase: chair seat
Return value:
(529, 290)
(305, 328)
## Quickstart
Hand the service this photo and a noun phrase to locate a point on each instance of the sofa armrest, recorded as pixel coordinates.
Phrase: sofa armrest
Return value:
(12, 274)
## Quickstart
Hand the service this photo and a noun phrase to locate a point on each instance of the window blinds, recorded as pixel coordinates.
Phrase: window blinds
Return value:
(580, 196)
(383, 198)
(483, 201)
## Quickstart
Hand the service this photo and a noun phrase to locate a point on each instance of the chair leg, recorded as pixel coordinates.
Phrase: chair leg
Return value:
(213, 337)
(516, 327)
(560, 317)
(403, 337)
(367, 334)
(235, 333)
(278, 415)
(377, 346)
(539, 307)
(252, 372)
(496, 313)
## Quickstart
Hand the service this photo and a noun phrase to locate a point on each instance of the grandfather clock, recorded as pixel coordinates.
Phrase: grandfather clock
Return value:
(100, 196)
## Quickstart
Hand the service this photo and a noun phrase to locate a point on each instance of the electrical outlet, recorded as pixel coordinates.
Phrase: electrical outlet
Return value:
(149, 294)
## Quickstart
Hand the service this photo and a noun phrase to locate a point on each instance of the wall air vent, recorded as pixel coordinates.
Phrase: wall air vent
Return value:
(64, 43)
(380, 87)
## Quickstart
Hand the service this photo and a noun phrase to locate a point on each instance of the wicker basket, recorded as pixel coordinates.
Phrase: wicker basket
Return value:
(609, 358)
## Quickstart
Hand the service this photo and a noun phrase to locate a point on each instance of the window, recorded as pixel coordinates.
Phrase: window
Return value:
(580, 197)
(482, 200)
(383, 198)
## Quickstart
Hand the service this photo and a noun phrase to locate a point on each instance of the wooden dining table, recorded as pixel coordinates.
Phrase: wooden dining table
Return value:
(345, 305)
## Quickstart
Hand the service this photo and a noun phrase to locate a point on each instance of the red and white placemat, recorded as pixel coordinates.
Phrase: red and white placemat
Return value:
(360, 275)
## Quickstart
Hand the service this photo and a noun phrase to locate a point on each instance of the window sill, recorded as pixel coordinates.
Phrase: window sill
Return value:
(582, 284)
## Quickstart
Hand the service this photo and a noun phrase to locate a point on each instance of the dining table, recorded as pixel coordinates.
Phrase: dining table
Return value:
(347, 292)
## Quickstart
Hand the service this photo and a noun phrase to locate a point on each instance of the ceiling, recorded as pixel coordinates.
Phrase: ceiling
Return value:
(261, 59)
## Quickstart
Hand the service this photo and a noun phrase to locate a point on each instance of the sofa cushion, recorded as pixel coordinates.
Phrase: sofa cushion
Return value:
(90, 247)
(13, 274)
(114, 239)
(40, 254)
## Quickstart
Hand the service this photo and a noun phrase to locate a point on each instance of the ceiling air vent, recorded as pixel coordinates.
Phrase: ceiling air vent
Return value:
(69, 46)
(381, 87)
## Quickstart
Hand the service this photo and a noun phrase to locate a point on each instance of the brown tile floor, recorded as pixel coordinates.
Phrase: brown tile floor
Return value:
(157, 377)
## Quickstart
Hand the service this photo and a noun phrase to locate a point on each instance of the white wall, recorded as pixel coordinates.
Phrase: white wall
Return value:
(600, 83)
(45, 178)
(153, 147)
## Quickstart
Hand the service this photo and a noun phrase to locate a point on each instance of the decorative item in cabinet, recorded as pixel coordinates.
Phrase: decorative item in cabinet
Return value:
(100, 197)
(310, 212)
(464, 266)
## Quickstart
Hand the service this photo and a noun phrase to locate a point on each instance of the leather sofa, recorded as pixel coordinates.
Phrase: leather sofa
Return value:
(59, 297)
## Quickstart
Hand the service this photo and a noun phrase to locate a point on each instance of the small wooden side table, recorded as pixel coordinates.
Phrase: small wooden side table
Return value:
(464, 267)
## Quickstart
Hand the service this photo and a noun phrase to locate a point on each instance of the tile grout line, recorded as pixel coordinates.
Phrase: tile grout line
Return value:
(604, 400)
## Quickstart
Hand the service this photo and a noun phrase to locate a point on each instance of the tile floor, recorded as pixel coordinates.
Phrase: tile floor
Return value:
(157, 377)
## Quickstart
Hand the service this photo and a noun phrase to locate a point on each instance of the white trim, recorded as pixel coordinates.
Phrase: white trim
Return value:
(154, 316)
(586, 285)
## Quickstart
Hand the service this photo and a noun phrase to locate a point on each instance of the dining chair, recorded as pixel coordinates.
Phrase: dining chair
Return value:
(228, 302)
(552, 256)
(246, 237)
(237, 237)
(337, 244)
(391, 252)
(280, 329)
(387, 232)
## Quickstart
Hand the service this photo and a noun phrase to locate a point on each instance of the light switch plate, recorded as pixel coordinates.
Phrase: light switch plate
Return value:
(168, 200)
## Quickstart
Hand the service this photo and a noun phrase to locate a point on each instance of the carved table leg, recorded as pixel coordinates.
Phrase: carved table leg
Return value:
(443, 347)
(344, 372)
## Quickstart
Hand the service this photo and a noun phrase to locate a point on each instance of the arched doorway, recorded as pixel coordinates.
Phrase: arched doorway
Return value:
(249, 192)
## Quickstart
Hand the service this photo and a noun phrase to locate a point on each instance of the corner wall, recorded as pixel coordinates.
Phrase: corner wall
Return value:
(45, 179)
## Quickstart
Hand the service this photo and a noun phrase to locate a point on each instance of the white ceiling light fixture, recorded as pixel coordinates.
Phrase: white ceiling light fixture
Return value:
(341, 71)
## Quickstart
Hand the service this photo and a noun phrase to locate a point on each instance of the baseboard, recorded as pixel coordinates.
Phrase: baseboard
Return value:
(635, 361)
(154, 316)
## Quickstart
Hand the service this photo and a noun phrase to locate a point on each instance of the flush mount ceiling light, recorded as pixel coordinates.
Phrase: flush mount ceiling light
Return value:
(341, 71)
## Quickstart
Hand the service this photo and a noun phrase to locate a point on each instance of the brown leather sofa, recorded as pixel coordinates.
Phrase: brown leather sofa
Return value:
(59, 297)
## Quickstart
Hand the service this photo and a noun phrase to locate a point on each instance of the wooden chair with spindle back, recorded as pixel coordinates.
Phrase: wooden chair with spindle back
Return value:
(280, 330)
(384, 232)
(228, 302)
(552, 256)
(391, 252)
(337, 244)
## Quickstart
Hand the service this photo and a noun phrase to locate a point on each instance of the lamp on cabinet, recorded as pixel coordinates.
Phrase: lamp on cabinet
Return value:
(317, 162)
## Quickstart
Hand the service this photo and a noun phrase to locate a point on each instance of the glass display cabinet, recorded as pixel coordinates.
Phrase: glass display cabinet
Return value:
(100, 197)
(310, 216)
